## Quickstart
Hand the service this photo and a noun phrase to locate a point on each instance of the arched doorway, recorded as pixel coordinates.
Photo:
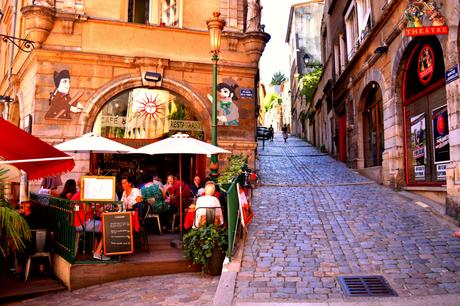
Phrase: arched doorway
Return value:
(426, 132)
(146, 113)
(373, 126)
(142, 115)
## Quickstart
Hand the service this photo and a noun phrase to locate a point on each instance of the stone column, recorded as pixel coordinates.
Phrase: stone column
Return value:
(393, 155)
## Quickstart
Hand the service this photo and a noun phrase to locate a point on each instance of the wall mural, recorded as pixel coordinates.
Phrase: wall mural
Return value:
(227, 110)
(60, 101)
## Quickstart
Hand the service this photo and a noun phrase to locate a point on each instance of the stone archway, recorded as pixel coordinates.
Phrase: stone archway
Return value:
(372, 76)
(197, 103)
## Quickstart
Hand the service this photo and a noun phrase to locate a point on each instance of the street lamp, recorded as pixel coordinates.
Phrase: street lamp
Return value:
(215, 26)
(306, 59)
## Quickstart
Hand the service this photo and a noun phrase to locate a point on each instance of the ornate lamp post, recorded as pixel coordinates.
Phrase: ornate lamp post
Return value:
(215, 26)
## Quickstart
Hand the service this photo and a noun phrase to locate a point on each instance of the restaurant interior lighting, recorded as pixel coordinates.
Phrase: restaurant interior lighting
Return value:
(152, 76)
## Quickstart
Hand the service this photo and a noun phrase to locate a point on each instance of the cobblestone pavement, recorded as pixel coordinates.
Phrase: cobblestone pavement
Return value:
(173, 289)
(315, 219)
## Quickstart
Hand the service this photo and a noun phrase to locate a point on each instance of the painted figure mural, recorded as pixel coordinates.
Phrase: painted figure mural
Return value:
(423, 12)
(227, 110)
(61, 104)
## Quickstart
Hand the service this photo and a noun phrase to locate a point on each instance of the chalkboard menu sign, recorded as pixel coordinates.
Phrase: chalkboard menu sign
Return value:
(117, 233)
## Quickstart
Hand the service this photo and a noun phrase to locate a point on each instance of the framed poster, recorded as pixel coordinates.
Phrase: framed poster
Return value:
(97, 188)
(441, 144)
(117, 233)
(418, 139)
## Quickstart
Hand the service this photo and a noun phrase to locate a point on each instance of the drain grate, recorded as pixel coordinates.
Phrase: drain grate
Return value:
(372, 285)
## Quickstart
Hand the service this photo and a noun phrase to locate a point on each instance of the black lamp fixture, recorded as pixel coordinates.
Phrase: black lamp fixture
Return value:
(381, 49)
(306, 59)
(152, 76)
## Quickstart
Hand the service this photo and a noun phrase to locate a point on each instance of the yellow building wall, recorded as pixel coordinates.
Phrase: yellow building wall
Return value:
(107, 9)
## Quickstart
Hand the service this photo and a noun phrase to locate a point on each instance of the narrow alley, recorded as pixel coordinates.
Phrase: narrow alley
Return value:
(316, 219)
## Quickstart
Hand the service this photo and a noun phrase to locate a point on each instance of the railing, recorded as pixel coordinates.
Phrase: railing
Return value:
(232, 215)
(62, 217)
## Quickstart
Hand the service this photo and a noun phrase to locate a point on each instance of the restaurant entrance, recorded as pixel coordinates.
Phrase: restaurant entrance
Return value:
(140, 116)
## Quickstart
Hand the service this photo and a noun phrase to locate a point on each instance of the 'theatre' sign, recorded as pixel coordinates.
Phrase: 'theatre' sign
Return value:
(424, 18)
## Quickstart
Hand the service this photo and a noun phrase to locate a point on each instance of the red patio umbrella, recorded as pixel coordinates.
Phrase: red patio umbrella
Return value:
(30, 154)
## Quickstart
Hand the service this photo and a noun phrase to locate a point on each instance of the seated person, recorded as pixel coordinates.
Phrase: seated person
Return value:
(204, 205)
(196, 185)
(70, 188)
(173, 188)
(85, 220)
(154, 196)
(131, 195)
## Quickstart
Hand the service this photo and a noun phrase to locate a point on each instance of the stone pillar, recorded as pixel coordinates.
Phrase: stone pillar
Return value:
(451, 57)
(453, 169)
(393, 155)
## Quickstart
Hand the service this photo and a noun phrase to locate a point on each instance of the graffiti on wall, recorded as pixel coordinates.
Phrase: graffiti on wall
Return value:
(60, 102)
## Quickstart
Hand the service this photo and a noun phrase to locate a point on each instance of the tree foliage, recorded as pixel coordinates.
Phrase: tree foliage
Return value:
(278, 78)
(309, 83)
(271, 100)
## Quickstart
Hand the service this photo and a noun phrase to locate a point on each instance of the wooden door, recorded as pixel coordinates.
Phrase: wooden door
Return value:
(343, 138)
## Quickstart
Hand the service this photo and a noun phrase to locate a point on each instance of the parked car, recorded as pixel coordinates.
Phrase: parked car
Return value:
(262, 132)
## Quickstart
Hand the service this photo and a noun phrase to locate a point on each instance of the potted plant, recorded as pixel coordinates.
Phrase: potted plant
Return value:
(206, 246)
(14, 230)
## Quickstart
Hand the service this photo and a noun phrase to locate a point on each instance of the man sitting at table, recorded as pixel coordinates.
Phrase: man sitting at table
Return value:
(208, 207)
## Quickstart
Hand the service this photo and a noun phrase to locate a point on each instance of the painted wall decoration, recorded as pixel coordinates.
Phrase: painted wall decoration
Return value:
(418, 145)
(148, 105)
(440, 135)
(424, 17)
(60, 101)
(227, 110)
(426, 64)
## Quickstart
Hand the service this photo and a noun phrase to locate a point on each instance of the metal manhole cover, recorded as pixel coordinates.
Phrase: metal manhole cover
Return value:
(372, 285)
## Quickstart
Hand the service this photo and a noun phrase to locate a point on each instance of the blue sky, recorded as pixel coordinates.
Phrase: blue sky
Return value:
(275, 15)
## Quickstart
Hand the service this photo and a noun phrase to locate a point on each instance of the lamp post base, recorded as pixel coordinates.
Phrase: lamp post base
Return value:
(214, 173)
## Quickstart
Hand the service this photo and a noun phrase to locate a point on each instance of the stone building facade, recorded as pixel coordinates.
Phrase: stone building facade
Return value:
(118, 57)
(388, 101)
(303, 39)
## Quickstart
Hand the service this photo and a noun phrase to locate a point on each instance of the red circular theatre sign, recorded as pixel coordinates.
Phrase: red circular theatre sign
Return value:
(425, 64)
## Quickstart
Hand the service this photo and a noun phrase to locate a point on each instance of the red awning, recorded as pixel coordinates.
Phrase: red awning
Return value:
(31, 154)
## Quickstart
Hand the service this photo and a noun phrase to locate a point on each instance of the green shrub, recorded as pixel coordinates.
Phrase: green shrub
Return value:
(199, 244)
(235, 165)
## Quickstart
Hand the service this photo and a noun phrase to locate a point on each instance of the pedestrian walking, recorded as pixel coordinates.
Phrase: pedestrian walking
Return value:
(285, 132)
(270, 133)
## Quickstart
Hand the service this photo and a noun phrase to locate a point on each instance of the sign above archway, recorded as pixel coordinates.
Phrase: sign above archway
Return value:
(424, 18)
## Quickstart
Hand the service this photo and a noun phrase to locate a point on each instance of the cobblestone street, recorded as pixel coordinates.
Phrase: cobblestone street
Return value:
(165, 290)
(316, 219)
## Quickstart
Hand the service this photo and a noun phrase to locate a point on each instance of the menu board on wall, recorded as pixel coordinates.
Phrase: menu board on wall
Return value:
(97, 188)
(440, 135)
(117, 233)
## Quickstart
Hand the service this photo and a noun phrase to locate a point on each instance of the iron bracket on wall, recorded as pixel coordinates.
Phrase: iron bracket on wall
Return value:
(24, 45)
